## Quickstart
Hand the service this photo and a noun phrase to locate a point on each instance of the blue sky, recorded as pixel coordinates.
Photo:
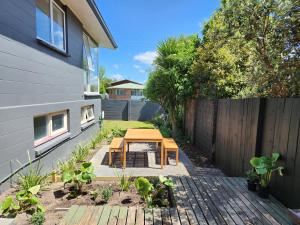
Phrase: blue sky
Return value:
(139, 25)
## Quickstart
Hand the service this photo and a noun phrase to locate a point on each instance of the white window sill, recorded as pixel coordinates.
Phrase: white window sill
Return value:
(50, 144)
(88, 124)
(91, 93)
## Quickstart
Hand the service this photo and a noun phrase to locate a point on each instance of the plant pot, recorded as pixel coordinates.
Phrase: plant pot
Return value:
(263, 192)
(252, 185)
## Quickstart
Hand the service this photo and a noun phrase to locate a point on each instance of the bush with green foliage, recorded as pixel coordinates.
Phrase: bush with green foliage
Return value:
(25, 200)
(32, 177)
(81, 152)
(38, 218)
(265, 167)
(79, 177)
(106, 193)
(144, 188)
(154, 192)
(66, 165)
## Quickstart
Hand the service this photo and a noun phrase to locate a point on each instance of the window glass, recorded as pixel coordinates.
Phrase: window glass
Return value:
(40, 127)
(90, 64)
(50, 23)
(57, 122)
(43, 20)
(58, 28)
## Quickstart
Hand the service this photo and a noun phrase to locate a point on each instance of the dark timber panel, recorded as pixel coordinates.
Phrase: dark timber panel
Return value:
(236, 135)
(281, 134)
(129, 110)
(204, 126)
(249, 127)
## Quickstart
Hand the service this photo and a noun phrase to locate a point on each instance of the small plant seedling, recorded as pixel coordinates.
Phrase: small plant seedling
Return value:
(38, 218)
(106, 193)
(125, 181)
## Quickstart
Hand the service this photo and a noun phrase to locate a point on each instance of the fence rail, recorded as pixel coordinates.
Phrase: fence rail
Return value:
(236, 130)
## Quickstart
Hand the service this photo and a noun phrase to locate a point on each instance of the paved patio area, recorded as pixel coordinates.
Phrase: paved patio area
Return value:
(142, 160)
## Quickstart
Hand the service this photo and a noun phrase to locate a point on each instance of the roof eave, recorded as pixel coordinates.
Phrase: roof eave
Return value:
(97, 13)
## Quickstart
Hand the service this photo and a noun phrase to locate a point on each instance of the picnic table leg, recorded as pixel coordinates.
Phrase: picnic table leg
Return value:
(124, 154)
(161, 155)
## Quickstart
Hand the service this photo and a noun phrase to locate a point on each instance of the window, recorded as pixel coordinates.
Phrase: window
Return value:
(119, 92)
(87, 114)
(137, 92)
(50, 23)
(90, 65)
(47, 127)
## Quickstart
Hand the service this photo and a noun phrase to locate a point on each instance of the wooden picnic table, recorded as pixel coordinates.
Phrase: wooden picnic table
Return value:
(143, 135)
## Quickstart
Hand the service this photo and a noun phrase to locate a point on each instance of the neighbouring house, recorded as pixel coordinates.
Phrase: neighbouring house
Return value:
(126, 90)
(49, 98)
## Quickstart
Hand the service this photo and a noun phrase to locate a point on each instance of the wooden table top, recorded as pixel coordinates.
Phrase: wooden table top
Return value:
(143, 134)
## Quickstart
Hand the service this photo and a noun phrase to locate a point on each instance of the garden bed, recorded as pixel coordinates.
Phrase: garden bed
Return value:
(58, 200)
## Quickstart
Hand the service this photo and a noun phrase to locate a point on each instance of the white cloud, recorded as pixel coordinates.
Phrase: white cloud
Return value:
(117, 77)
(116, 66)
(146, 57)
(139, 68)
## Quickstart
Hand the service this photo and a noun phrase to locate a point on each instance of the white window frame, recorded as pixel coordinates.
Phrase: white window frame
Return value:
(50, 133)
(51, 2)
(87, 118)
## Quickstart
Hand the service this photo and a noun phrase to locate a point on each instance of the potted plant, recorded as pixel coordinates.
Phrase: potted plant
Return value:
(252, 179)
(265, 167)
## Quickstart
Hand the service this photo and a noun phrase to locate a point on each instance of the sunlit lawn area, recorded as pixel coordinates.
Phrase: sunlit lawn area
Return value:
(124, 125)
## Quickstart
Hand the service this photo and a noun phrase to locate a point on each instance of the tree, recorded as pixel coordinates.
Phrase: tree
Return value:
(171, 82)
(251, 48)
(104, 82)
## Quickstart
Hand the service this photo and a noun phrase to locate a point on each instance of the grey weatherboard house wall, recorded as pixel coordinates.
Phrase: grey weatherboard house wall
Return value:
(37, 79)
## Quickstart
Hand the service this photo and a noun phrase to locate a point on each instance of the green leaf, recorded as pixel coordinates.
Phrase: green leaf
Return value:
(34, 190)
(6, 204)
(40, 208)
(67, 177)
(22, 195)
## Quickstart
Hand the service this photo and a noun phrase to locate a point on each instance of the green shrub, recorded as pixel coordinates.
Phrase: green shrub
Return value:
(32, 177)
(116, 132)
(106, 193)
(165, 131)
(154, 192)
(38, 218)
(80, 176)
(265, 167)
(66, 165)
(26, 200)
(158, 121)
(93, 143)
(81, 152)
(144, 188)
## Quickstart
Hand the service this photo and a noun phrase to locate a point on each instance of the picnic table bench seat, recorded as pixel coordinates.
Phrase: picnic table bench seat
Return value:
(170, 146)
(116, 145)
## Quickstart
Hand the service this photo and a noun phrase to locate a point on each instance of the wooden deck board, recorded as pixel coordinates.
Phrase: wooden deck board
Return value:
(213, 200)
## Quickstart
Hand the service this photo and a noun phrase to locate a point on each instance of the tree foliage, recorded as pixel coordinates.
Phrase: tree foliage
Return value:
(104, 82)
(251, 48)
(171, 81)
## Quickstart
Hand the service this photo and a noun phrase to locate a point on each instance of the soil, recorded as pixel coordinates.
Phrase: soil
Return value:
(198, 158)
(57, 201)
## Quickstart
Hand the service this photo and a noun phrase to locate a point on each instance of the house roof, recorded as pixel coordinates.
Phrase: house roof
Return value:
(128, 86)
(123, 82)
(92, 21)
